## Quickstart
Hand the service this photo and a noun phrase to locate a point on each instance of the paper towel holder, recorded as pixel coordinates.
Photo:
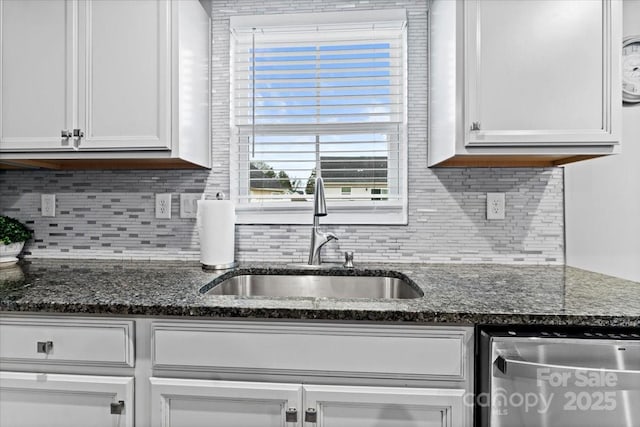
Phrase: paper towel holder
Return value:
(219, 196)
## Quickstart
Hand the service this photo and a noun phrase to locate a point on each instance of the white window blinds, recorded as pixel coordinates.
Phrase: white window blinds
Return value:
(322, 98)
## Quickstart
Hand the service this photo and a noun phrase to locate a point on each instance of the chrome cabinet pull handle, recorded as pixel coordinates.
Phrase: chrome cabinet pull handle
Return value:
(117, 408)
(311, 415)
(291, 416)
(78, 134)
(44, 347)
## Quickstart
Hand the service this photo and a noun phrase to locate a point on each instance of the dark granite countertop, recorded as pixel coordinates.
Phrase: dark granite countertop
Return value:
(454, 293)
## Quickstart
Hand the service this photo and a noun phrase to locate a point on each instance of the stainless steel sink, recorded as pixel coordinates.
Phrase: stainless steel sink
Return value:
(276, 285)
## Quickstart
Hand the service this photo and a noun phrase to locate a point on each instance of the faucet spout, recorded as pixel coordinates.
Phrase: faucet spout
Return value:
(319, 201)
(318, 238)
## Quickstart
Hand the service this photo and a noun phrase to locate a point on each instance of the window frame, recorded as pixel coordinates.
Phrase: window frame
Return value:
(389, 212)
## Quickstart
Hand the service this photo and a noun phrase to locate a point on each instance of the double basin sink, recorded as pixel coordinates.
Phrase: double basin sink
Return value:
(383, 285)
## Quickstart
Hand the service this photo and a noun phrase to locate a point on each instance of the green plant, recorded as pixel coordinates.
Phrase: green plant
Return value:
(13, 231)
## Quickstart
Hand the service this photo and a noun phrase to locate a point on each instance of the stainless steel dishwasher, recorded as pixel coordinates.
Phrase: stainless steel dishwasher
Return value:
(558, 378)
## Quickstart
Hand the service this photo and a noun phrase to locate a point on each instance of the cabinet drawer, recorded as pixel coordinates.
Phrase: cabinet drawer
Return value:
(66, 341)
(310, 349)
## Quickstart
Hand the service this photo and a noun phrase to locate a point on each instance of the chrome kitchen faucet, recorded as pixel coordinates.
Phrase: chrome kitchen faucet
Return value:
(318, 238)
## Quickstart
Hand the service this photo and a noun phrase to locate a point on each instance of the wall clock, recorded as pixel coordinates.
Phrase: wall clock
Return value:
(631, 69)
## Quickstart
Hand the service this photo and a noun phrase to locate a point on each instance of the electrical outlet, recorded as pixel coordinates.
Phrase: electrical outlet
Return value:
(495, 206)
(48, 204)
(163, 206)
(189, 205)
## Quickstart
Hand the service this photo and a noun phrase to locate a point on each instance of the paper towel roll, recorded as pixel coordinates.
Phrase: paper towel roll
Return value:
(216, 226)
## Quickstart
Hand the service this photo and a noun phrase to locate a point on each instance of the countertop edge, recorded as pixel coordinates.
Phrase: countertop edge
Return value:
(350, 315)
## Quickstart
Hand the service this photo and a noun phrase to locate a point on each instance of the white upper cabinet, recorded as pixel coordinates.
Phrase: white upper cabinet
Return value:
(124, 75)
(98, 82)
(38, 90)
(524, 82)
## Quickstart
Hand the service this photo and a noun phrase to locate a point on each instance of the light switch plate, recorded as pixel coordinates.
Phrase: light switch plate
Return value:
(163, 206)
(189, 205)
(495, 205)
(48, 204)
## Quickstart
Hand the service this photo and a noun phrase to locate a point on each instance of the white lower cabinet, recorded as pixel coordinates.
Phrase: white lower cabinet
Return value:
(350, 406)
(286, 374)
(194, 403)
(66, 341)
(80, 371)
(66, 371)
(29, 399)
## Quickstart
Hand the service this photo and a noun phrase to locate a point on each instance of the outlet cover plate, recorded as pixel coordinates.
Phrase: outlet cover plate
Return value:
(189, 205)
(495, 205)
(48, 204)
(163, 206)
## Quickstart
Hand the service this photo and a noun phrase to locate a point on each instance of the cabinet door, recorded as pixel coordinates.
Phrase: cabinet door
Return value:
(52, 400)
(36, 74)
(338, 406)
(199, 403)
(541, 72)
(125, 87)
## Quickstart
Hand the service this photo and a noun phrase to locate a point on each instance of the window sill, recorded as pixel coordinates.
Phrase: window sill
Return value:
(335, 217)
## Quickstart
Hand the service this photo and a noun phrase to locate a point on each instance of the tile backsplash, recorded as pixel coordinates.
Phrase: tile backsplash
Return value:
(111, 214)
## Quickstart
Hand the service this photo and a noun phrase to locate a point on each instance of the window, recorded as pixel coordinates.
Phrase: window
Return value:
(322, 97)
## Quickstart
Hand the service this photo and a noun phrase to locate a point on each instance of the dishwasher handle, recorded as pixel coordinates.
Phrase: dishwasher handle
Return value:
(515, 366)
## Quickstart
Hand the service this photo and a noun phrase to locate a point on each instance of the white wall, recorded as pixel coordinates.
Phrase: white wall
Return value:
(602, 197)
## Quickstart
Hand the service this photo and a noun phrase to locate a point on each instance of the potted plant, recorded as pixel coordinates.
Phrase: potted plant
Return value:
(13, 234)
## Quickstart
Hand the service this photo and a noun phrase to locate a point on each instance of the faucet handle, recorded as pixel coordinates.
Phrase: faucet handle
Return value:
(348, 259)
(330, 236)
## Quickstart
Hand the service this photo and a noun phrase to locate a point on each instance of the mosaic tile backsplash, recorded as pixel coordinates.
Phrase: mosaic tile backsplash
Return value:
(111, 214)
